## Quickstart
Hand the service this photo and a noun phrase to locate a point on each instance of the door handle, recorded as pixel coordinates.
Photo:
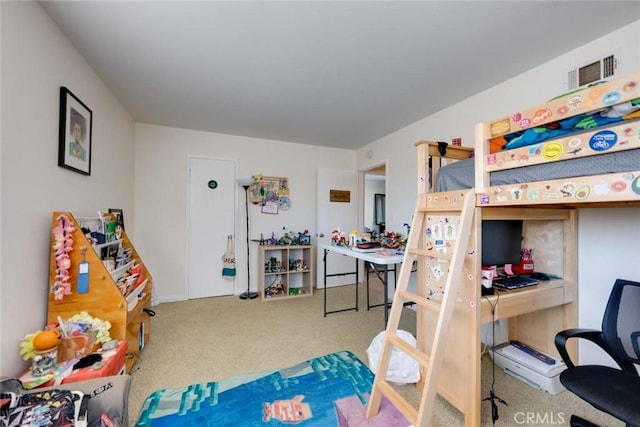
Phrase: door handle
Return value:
(321, 235)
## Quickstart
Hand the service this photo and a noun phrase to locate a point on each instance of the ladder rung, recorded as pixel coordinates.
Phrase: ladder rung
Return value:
(432, 253)
(421, 301)
(419, 356)
(398, 401)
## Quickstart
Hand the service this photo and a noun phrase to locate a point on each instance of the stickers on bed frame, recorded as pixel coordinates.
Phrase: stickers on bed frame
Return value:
(623, 186)
(624, 136)
(599, 95)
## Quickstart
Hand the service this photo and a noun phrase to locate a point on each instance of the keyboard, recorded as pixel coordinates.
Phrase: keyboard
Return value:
(514, 282)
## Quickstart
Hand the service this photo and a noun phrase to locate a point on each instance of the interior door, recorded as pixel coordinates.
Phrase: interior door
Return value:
(212, 213)
(336, 214)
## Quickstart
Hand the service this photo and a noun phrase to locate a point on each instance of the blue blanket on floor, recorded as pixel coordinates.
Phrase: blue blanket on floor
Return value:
(309, 394)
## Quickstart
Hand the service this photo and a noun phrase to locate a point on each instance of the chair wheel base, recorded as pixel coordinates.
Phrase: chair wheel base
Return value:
(576, 421)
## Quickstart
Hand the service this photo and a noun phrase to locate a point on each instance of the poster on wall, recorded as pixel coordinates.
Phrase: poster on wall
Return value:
(271, 193)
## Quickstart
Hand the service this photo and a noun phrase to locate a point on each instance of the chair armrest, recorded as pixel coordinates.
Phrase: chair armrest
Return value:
(595, 337)
(592, 335)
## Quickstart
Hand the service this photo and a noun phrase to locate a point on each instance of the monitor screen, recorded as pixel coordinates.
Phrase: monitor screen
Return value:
(501, 242)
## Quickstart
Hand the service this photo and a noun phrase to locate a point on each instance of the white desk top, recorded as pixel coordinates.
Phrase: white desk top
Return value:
(382, 257)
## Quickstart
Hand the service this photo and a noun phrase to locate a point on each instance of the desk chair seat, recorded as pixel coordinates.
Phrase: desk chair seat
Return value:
(612, 390)
(607, 389)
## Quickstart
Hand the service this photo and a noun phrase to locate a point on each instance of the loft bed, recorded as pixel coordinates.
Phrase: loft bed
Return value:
(542, 184)
(583, 148)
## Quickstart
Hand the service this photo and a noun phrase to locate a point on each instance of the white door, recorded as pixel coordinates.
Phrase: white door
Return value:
(212, 213)
(332, 215)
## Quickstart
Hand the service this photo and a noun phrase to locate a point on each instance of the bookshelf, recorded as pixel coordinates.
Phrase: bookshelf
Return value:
(113, 292)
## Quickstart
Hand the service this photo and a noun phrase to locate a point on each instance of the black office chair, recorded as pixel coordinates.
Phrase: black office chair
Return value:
(614, 391)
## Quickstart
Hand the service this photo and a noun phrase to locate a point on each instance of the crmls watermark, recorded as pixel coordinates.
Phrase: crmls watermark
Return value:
(539, 418)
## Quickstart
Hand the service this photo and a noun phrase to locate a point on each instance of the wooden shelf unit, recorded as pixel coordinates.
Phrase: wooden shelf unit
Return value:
(129, 321)
(280, 280)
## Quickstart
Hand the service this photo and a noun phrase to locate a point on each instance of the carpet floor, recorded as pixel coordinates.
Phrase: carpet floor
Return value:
(212, 339)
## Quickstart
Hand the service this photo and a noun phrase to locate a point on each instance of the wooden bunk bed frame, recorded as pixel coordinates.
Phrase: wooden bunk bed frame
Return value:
(549, 211)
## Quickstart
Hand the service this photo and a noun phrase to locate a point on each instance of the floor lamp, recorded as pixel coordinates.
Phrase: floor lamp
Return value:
(246, 183)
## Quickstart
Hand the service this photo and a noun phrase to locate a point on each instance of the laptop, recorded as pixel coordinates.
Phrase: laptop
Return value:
(514, 282)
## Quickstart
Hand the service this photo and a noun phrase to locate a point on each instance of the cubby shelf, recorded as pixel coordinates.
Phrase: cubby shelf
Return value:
(285, 272)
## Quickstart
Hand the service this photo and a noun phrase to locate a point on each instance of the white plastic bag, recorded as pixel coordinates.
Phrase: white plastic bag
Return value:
(403, 369)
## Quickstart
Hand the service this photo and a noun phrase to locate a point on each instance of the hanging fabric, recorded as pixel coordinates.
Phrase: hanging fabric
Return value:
(229, 260)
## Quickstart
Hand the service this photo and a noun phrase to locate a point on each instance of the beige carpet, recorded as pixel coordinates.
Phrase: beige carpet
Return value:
(215, 338)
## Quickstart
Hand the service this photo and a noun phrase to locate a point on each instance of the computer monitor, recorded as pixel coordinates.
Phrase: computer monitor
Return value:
(501, 242)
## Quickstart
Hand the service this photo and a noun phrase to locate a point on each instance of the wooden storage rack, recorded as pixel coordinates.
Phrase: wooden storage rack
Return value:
(129, 321)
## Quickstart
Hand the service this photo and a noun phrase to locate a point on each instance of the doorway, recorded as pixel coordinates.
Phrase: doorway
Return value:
(374, 207)
(211, 220)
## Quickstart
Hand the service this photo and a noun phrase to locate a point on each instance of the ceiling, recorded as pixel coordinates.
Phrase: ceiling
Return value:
(338, 74)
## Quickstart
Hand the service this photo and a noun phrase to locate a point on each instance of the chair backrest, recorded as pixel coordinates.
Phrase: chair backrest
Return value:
(621, 321)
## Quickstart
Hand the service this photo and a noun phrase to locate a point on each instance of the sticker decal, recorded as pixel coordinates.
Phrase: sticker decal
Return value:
(541, 115)
(437, 272)
(567, 189)
(635, 186)
(516, 194)
(574, 142)
(499, 128)
(618, 186)
(611, 98)
(601, 189)
(630, 86)
(533, 194)
(552, 150)
(583, 192)
(574, 102)
(603, 140)
(450, 232)
(534, 150)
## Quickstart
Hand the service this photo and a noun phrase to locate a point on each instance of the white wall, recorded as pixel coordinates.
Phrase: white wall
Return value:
(36, 60)
(161, 195)
(596, 272)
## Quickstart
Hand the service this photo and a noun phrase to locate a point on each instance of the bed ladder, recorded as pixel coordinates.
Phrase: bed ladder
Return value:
(460, 206)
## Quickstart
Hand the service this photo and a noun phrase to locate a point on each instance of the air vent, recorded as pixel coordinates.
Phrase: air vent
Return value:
(595, 70)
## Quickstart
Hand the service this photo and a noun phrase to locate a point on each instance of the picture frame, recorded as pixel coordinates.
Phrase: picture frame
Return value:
(119, 215)
(75, 131)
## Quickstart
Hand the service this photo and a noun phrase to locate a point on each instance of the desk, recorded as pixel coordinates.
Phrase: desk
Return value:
(381, 259)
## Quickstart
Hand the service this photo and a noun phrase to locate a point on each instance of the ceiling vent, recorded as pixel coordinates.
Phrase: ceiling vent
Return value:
(596, 70)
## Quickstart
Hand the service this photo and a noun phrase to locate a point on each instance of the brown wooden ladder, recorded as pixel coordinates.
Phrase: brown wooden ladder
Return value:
(450, 216)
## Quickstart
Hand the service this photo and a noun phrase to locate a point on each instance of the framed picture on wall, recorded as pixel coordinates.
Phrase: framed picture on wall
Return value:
(76, 121)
